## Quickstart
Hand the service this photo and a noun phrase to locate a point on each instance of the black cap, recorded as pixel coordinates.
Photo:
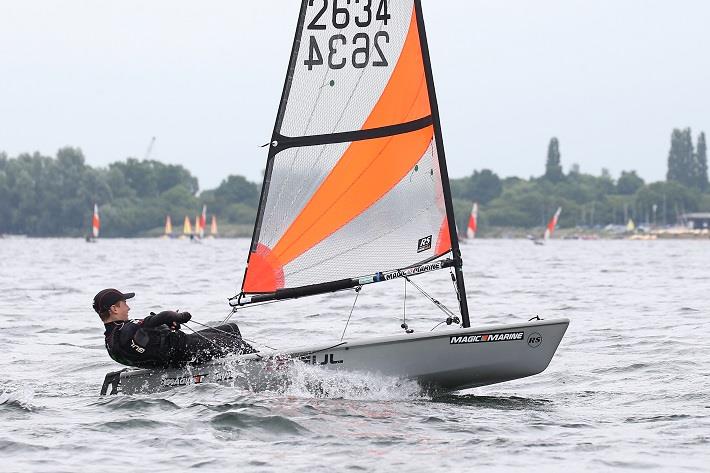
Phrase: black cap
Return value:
(108, 297)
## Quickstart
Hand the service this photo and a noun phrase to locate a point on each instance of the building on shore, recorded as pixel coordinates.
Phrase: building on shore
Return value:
(697, 220)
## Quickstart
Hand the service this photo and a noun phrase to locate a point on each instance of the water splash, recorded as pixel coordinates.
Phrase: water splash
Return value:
(20, 398)
(316, 382)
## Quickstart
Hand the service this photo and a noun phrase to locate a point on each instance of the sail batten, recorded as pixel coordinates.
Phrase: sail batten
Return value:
(285, 142)
(354, 180)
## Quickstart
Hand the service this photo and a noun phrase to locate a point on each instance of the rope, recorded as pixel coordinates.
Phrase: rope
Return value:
(231, 334)
(357, 294)
(199, 334)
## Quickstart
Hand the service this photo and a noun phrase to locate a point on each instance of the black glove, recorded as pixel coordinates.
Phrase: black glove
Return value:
(167, 317)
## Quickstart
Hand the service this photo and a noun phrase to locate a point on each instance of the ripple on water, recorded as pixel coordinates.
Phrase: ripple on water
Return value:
(10, 446)
(494, 402)
(248, 424)
(136, 404)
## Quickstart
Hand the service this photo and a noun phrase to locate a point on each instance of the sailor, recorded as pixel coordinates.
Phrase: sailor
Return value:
(157, 341)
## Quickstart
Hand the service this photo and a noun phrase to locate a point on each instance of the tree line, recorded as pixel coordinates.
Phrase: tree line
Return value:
(53, 196)
(588, 200)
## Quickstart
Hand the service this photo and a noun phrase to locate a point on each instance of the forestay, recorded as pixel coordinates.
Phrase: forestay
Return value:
(355, 181)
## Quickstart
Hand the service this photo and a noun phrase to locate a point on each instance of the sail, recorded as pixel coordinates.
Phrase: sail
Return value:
(186, 227)
(355, 180)
(203, 221)
(552, 223)
(197, 225)
(95, 222)
(213, 226)
(168, 226)
(472, 222)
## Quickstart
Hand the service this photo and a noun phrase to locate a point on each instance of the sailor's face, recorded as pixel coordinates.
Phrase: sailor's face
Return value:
(119, 310)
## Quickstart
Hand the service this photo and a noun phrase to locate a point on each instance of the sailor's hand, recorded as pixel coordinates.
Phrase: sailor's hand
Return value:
(179, 318)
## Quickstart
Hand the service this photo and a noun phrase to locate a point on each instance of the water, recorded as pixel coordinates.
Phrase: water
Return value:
(627, 389)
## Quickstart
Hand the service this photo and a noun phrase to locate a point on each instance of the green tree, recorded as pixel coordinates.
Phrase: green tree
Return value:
(236, 190)
(681, 159)
(701, 158)
(628, 183)
(150, 178)
(553, 168)
(484, 186)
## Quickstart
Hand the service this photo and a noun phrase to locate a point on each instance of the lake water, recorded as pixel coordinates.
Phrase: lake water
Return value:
(629, 387)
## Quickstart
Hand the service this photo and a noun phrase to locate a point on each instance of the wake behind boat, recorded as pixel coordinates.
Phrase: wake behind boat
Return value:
(356, 192)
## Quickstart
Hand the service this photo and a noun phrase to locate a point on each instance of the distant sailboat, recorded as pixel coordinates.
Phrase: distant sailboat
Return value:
(95, 222)
(168, 227)
(552, 224)
(630, 226)
(213, 226)
(472, 222)
(95, 226)
(186, 228)
(203, 222)
(197, 231)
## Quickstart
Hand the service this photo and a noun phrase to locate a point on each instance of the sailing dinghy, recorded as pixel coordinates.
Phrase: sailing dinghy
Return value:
(551, 225)
(356, 192)
(472, 222)
(168, 232)
(95, 226)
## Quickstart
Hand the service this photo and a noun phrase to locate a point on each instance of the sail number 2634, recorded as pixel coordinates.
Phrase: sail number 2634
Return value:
(341, 14)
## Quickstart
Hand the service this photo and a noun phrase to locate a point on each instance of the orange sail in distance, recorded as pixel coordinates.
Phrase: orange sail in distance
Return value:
(472, 222)
(552, 224)
(213, 226)
(95, 222)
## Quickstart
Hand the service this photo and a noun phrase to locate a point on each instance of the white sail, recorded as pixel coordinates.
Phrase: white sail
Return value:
(355, 181)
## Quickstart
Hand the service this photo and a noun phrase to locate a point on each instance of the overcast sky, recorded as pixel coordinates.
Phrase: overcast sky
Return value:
(609, 78)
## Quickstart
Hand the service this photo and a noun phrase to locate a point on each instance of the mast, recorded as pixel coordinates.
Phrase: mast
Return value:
(461, 287)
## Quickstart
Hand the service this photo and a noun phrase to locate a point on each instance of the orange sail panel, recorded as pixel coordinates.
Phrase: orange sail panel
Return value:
(405, 97)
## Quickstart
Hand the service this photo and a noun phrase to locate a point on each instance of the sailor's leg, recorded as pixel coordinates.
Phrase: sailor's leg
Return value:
(217, 342)
(229, 336)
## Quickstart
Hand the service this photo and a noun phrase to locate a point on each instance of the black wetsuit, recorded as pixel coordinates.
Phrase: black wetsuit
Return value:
(150, 343)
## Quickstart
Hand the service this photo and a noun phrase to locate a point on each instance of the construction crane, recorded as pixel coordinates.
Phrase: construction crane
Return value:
(150, 149)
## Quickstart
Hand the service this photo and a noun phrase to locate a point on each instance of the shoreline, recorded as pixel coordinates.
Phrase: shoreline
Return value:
(504, 233)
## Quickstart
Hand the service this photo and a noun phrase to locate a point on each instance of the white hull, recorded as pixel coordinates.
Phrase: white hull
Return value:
(446, 360)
